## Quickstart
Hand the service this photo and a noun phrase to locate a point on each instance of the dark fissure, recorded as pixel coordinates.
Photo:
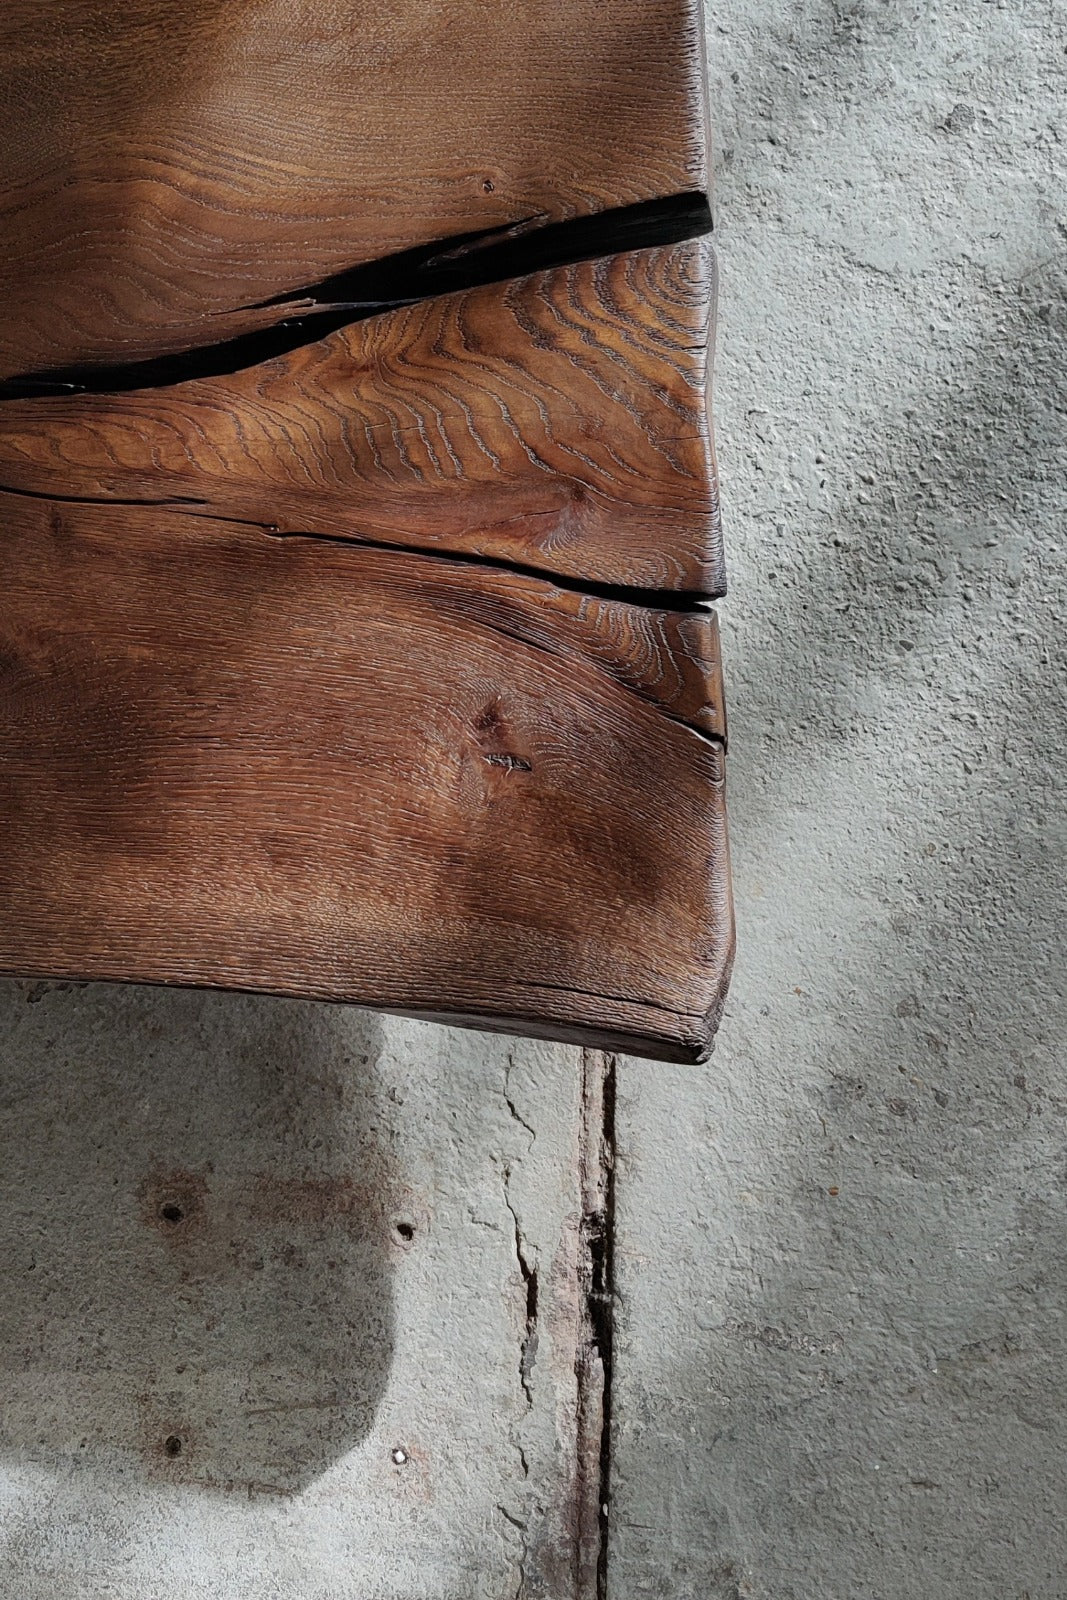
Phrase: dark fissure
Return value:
(465, 261)
(600, 1236)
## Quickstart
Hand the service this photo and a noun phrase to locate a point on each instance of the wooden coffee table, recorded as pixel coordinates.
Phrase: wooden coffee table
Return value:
(360, 510)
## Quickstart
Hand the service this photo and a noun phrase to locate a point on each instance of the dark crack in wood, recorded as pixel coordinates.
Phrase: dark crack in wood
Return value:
(447, 266)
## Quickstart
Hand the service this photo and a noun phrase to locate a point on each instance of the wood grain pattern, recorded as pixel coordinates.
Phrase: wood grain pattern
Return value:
(559, 421)
(168, 165)
(285, 763)
(358, 507)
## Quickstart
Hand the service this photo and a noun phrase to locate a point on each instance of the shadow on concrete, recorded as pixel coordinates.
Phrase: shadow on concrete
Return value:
(858, 1390)
(196, 1224)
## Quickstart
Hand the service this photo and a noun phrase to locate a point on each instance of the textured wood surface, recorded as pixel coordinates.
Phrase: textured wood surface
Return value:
(559, 421)
(168, 166)
(358, 509)
(284, 763)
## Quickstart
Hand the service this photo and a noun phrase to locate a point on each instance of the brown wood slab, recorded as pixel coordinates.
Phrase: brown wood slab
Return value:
(558, 421)
(357, 496)
(289, 764)
(168, 165)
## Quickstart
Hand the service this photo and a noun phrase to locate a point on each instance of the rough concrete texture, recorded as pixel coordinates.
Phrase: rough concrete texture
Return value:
(266, 1278)
(841, 1340)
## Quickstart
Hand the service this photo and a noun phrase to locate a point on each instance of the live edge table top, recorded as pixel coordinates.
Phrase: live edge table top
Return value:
(359, 510)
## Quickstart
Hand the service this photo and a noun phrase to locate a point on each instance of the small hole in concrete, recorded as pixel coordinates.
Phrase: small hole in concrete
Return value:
(172, 1445)
(405, 1231)
(171, 1212)
(400, 1456)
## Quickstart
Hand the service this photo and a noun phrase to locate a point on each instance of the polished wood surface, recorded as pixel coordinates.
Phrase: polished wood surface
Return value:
(290, 764)
(559, 421)
(168, 165)
(359, 510)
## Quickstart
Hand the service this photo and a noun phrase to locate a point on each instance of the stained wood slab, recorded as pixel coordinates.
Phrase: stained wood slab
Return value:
(169, 165)
(557, 421)
(286, 763)
(358, 509)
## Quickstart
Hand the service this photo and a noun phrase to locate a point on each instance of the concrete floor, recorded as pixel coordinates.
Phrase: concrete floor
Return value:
(841, 1342)
(264, 1329)
(294, 1297)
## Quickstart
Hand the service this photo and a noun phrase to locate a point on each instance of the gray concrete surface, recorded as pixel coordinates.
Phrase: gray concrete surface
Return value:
(251, 1250)
(842, 1249)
